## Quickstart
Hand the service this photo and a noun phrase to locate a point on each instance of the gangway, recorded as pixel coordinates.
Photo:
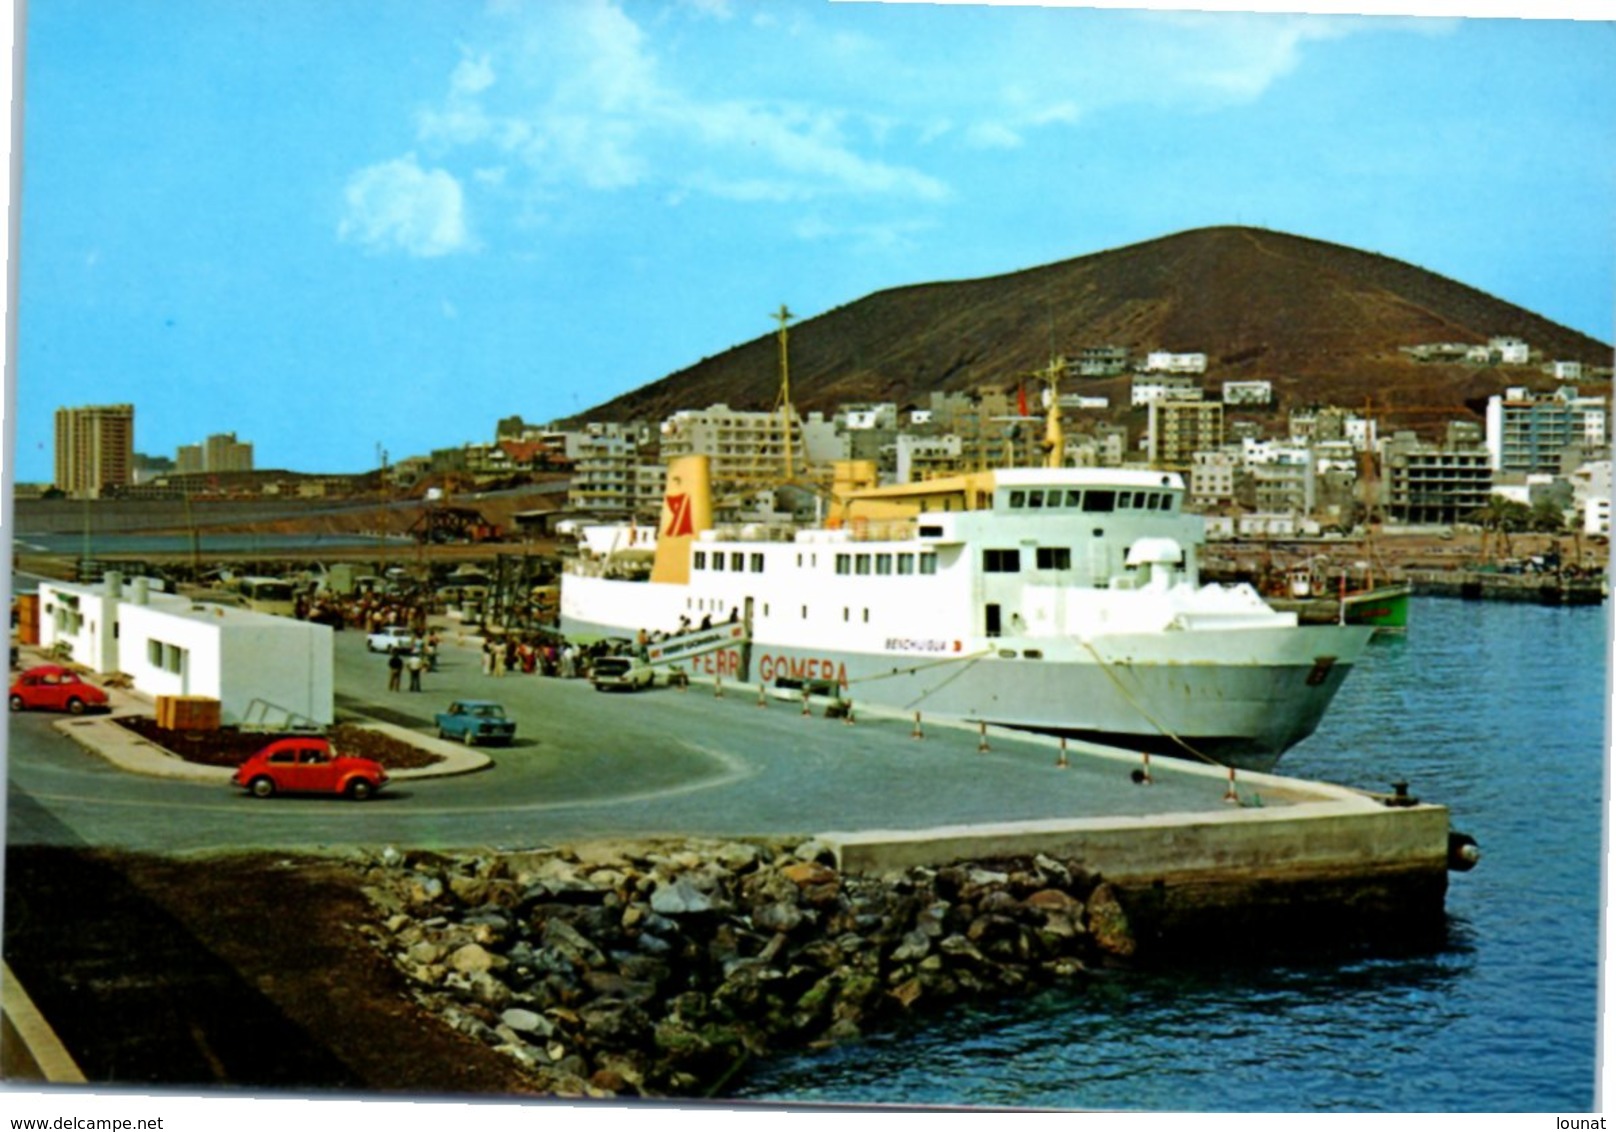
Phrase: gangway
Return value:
(692, 643)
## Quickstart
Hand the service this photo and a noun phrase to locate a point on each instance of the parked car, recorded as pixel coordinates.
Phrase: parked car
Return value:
(308, 765)
(53, 688)
(390, 638)
(476, 721)
(630, 672)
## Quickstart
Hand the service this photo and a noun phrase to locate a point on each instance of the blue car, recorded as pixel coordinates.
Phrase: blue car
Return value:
(476, 721)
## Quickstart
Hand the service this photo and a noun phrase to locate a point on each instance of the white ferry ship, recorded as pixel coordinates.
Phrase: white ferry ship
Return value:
(1063, 600)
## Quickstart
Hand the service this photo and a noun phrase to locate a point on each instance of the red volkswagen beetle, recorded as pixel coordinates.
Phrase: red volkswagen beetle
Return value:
(308, 765)
(54, 688)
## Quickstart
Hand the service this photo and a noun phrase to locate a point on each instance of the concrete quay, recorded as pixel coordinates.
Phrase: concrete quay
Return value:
(711, 761)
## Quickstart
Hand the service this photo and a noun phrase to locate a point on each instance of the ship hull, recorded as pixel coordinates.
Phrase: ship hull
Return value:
(1237, 696)
(1384, 607)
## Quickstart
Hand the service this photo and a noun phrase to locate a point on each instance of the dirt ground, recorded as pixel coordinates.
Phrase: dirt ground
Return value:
(230, 747)
(247, 971)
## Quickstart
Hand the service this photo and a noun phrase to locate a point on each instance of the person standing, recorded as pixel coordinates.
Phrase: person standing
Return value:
(395, 669)
(415, 664)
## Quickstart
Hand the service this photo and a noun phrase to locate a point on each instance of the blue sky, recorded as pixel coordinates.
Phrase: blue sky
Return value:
(331, 228)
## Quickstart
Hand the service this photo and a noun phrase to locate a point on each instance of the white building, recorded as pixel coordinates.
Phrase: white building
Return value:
(1590, 491)
(1170, 388)
(261, 668)
(1212, 478)
(918, 456)
(1509, 351)
(1164, 361)
(1248, 392)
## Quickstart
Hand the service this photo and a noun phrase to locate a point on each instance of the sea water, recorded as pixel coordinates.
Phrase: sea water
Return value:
(1495, 710)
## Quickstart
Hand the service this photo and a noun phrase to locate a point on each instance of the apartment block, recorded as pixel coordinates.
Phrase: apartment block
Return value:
(1430, 483)
(95, 449)
(1176, 430)
(744, 447)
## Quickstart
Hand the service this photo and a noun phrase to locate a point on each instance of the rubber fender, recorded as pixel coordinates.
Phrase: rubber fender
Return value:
(1463, 852)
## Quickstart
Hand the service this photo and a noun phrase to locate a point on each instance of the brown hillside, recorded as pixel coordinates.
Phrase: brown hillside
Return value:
(1322, 321)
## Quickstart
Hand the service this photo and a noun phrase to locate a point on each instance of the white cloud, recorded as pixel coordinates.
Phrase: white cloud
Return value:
(994, 135)
(581, 101)
(398, 206)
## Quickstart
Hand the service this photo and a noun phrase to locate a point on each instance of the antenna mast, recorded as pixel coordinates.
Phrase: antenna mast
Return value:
(783, 316)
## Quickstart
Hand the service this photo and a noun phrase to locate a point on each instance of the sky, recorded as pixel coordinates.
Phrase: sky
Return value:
(343, 230)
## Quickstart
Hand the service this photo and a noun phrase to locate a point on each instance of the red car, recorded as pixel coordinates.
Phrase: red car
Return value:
(54, 688)
(308, 765)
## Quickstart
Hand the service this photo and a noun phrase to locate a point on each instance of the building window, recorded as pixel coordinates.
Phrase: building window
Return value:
(154, 653)
(1001, 561)
(1054, 558)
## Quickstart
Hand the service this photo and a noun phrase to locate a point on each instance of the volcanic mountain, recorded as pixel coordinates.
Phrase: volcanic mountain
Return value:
(1323, 322)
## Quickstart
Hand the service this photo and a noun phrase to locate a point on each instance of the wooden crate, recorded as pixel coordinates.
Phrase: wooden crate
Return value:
(188, 713)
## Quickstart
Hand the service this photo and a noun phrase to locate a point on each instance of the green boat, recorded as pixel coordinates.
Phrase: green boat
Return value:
(1384, 606)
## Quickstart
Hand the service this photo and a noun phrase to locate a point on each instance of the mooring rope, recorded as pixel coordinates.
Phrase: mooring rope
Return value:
(1105, 667)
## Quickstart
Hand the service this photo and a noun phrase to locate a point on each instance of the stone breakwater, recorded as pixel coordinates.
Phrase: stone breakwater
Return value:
(660, 969)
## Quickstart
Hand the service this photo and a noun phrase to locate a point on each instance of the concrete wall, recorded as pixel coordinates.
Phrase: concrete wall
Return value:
(1311, 839)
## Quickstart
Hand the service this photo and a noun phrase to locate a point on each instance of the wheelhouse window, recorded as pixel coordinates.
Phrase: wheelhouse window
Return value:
(1074, 499)
(1099, 501)
(1054, 558)
(1018, 499)
(757, 563)
(844, 563)
(906, 563)
(1035, 499)
(883, 563)
(1001, 561)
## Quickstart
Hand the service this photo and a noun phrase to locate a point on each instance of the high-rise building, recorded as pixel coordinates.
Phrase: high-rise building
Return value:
(95, 449)
(222, 452)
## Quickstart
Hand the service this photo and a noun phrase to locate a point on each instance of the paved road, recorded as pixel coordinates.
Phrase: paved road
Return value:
(587, 764)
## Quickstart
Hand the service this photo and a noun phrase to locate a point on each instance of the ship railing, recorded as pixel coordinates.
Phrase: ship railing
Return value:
(887, 530)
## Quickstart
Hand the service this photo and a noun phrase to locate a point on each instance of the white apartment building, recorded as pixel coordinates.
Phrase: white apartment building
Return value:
(1146, 390)
(1212, 478)
(261, 668)
(745, 447)
(604, 473)
(917, 457)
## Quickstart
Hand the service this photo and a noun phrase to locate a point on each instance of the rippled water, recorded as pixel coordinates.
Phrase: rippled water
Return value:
(1497, 711)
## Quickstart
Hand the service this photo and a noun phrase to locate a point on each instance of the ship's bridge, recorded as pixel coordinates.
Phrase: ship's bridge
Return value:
(1024, 491)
